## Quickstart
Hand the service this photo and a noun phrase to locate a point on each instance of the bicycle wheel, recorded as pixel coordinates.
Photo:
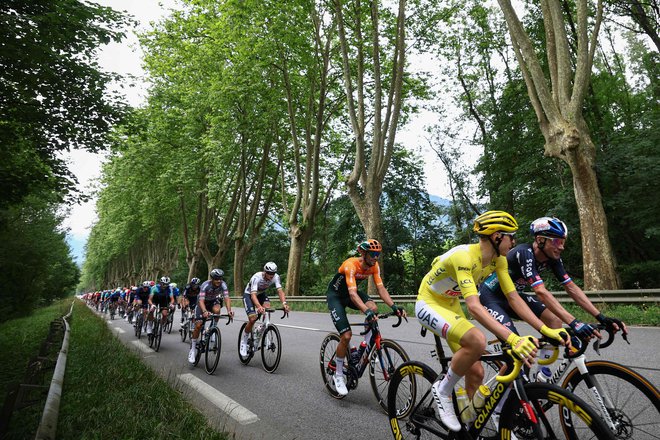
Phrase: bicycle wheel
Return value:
(381, 367)
(327, 363)
(169, 323)
(158, 334)
(212, 355)
(271, 348)
(183, 331)
(410, 405)
(633, 403)
(201, 348)
(560, 414)
(138, 325)
(244, 359)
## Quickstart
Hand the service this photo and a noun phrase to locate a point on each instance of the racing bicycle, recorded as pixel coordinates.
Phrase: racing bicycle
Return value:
(265, 336)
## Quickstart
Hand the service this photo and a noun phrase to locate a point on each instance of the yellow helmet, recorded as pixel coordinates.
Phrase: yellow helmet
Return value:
(495, 221)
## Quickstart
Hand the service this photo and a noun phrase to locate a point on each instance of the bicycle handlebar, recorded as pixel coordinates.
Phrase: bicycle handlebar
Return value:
(221, 315)
(284, 315)
(515, 371)
(374, 323)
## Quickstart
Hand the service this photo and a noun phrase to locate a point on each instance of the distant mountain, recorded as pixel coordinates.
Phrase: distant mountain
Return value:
(77, 245)
(439, 200)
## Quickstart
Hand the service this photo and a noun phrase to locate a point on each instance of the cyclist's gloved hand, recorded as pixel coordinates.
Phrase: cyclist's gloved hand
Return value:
(370, 315)
(398, 311)
(558, 334)
(612, 323)
(581, 329)
(523, 347)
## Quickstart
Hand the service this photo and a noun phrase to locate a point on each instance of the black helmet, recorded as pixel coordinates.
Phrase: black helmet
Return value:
(195, 281)
(216, 274)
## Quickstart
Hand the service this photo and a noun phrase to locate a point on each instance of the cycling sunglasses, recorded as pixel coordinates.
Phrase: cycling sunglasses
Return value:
(556, 241)
(271, 273)
(510, 234)
(374, 254)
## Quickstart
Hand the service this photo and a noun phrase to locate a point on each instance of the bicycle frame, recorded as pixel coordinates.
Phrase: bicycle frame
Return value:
(265, 318)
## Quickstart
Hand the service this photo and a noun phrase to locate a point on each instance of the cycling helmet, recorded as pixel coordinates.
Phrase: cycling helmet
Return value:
(370, 245)
(146, 284)
(134, 288)
(549, 227)
(216, 274)
(195, 281)
(270, 267)
(173, 285)
(495, 221)
(165, 280)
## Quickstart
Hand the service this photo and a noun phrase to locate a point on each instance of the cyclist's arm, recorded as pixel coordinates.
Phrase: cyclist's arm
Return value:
(355, 298)
(551, 303)
(580, 298)
(523, 311)
(255, 300)
(384, 295)
(227, 300)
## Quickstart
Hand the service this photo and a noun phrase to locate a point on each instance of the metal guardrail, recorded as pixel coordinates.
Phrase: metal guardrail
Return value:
(629, 296)
(48, 424)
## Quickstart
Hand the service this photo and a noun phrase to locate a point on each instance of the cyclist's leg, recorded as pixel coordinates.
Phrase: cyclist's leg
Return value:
(466, 341)
(337, 309)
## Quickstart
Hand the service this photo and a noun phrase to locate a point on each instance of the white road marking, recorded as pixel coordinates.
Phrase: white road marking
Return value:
(237, 412)
(143, 348)
(301, 328)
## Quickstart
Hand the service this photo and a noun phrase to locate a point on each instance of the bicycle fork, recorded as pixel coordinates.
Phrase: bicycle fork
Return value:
(604, 401)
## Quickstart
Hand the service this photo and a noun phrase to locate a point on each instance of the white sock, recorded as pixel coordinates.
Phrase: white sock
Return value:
(449, 382)
(194, 343)
(340, 366)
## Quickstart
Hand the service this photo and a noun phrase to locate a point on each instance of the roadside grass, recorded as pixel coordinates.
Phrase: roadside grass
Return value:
(109, 393)
(20, 340)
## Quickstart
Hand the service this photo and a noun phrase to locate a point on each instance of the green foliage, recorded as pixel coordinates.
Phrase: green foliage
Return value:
(35, 258)
(53, 94)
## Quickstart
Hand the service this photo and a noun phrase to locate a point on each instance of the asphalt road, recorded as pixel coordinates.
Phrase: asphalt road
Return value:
(292, 403)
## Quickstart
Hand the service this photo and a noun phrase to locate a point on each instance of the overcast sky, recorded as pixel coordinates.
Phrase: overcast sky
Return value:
(125, 58)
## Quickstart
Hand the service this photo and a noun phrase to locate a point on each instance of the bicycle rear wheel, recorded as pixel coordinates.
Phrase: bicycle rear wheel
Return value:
(183, 331)
(271, 348)
(213, 346)
(635, 403)
(169, 323)
(410, 405)
(560, 414)
(381, 367)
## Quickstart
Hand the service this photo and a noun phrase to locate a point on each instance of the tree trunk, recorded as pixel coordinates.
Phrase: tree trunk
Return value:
(299, 238)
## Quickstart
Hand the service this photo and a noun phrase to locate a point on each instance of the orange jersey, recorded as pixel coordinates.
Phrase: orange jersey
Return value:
(351, 273)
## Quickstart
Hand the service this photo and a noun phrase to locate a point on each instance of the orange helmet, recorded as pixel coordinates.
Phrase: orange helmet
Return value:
(370, 245)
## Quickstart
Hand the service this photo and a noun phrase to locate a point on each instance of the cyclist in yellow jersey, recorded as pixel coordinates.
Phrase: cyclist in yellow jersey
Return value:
(458, 273)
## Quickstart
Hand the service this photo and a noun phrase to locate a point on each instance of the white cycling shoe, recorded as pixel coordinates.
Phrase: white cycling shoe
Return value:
(340, 385)
(244, 348)
(445, 409)
(192, 355)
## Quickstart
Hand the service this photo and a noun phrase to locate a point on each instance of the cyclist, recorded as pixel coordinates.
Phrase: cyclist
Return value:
(113, 299)
(189, 297)
(211, 296)
(457, 273)
(343, 292)
(256, 301)
(130, 298)
(526, 262)
(176, 292)
(160, 295)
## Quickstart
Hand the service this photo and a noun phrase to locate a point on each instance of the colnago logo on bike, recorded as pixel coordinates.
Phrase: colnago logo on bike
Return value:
(569, 406)
(488, 407)
(394, 423)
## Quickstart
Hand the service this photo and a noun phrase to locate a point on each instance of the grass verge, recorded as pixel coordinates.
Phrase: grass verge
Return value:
(109, 393)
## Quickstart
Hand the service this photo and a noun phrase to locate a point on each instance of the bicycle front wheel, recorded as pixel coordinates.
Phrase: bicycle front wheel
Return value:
(138, 326)
(382, 364)
(271, 348)
(632, 402)
(170, 322)
(158, 334)
(244, 359)
(559, 413)
(410, 405)
(327, 363)
(212, 355)
(184, 332)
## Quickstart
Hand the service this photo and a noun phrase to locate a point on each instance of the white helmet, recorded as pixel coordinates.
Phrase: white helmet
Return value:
(165, 280)
(270, 267)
